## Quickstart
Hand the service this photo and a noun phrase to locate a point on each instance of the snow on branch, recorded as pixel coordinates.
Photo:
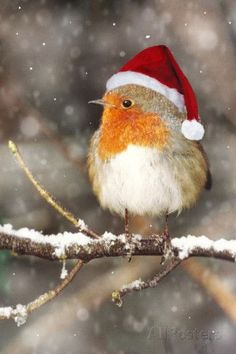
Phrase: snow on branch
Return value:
(77, 245)
(19, 313)
(83, 248)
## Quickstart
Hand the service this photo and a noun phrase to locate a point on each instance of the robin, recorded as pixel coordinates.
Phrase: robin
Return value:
(146, 158)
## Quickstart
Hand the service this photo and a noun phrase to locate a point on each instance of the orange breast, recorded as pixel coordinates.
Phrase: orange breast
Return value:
(121, 127)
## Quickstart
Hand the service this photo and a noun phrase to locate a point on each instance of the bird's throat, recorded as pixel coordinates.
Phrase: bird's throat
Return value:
(119, 131)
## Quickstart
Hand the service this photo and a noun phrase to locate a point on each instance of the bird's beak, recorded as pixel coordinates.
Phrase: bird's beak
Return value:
(102, 102)
(99, 101)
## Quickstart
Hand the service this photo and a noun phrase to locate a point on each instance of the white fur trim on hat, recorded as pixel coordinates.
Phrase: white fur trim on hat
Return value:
(131, 77)
(192, 129)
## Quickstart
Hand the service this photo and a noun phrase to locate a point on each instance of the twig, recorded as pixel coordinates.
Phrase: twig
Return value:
(46, 195)
(90, 296)
(20, 312)
(139, 284)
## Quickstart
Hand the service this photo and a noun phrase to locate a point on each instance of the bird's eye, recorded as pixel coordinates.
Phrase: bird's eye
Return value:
(127, 103)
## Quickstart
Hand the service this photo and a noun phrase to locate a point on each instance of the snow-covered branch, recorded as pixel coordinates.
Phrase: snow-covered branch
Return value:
(83, 248)
(77, 245)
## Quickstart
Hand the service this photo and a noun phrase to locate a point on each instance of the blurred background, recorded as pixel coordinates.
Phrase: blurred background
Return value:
(55, 57)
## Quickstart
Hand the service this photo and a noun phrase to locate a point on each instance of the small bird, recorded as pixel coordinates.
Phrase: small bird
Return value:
(145, 158)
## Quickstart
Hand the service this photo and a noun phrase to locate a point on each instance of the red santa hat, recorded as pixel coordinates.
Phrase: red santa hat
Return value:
(157, 69)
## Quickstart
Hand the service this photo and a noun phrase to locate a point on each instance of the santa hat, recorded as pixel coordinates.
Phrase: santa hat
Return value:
(157, 69)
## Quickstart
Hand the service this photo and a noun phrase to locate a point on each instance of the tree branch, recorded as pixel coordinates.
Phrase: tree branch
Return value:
(20, 312)
(47, 196)
(77, 245)
(139, 285)
(80, 246)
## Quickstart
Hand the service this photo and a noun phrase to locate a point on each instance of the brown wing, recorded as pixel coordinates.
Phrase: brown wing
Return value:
(208, 184)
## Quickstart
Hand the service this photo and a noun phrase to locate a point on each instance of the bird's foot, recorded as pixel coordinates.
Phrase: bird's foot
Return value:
(168, 253)
(128, 238)
(128, 235)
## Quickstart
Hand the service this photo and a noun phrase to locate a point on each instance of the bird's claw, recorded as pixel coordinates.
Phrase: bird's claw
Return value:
(128, 237)
(168, 253)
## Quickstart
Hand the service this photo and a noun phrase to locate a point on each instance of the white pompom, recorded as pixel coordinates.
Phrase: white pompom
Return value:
(192, 129)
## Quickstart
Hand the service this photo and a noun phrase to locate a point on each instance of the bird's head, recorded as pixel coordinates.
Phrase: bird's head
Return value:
(134, 114)
(130, 102)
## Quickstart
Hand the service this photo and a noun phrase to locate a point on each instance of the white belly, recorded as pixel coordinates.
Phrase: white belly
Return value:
(141, 180)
